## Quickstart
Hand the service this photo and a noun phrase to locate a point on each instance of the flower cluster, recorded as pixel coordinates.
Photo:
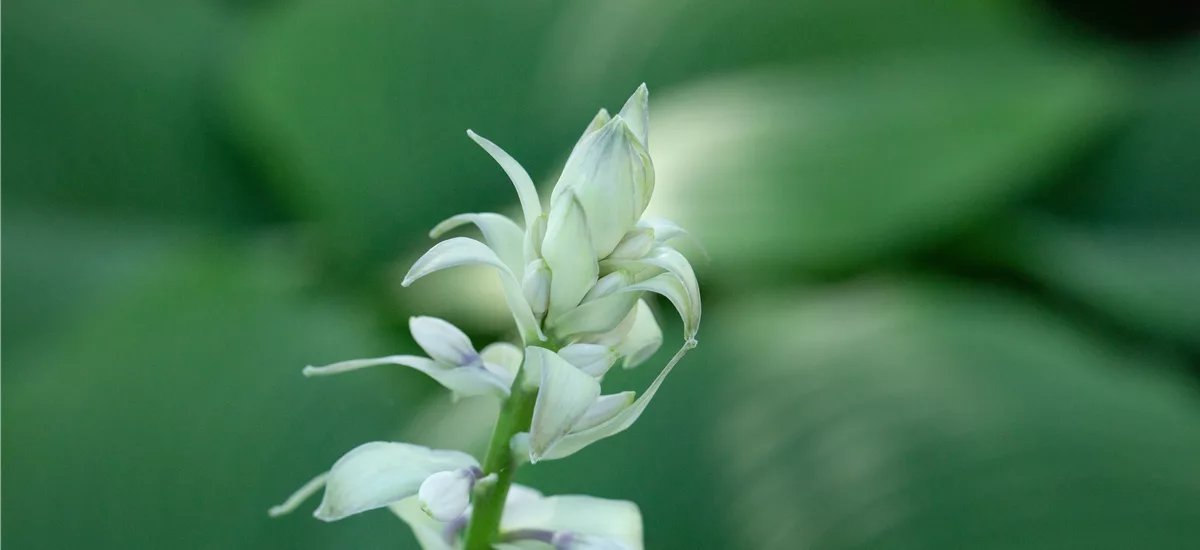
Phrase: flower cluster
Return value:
(575, 279)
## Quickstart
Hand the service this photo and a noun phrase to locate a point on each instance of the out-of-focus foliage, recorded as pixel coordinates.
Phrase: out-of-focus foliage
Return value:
(951, 298)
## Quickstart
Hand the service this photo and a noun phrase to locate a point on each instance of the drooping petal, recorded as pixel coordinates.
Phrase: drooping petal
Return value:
(593, 359)
(568, 252)
(297, 498)
(376, 474)
(463, 381)
(464, 251)
(597, 316)
(430, 533)
(565, 395)
(444, 342)
(577, 440)
(584, 516)
(612, 176)
(603, 409)
(531, 206)
(672, 288)
(502, 235)
(643, 339)
(446, 495)
(502, 358)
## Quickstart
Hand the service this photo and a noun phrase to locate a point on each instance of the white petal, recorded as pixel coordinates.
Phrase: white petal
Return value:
(376, 474)
(608, 284)
(635, 244)
(597, 122)
(597, 316)
(502, 358)
(603, 409)
(537, 286)
(678, 285)
(444, 342)
(446, 495)
(526, 192)
(565, 395)
(568, 251)
(636, 113)
(502, 235)
(463, 381)
(534, 237)
(577, 440)
(593, 359)
(568, 541)
(298, 498)
(617, 520)
(463, 251)
(644, 337)
(612, 176)
(430, 533)
(664, 229)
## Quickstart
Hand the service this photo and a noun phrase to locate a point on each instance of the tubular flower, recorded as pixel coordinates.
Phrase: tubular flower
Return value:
(575, 276)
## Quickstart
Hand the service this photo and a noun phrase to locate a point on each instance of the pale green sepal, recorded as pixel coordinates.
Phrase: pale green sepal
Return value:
(463, 381)
(568, 252)
(430, 533)
(297, 498)
(593, 359)
(590, 517)
(603, 409)
(502, 235)
(575, 441)
(460, 251)
(565, 395)
(636, 113)
(376, 474)
(531, 206)
(643, 339)
(597, 316)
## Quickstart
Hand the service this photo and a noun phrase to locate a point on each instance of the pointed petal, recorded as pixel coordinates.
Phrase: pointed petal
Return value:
(298, 498)
(644, 337)
(575, 441)
(502, 235)
(597, 122)
(614, 336)
(635, 244)
(430, 533)
(612, 176)
(608, 284)
(465, 381)
(376, 474)
(446, 495)
(565, 395)
(502, 358)
(597, 316)
(568, 252)
(593, 359)
(617, 520)
(534, 236)
(444, 342)
(636, 113)
(463, 251)
(603, 409)
(526, 192)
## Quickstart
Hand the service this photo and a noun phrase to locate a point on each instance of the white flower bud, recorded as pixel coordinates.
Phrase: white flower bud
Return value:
(608, 284)
(635, 244)
(446, 495)
(593, 359)
(443, 341)
(537, 286)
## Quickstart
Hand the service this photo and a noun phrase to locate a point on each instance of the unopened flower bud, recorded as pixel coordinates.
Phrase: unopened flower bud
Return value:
(446, 495)
(537, 286)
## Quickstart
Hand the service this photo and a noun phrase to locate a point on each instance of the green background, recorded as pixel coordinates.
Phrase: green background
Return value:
(952, 297)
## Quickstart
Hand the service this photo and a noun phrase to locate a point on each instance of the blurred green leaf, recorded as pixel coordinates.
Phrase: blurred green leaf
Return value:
(360, 109)
(832, 169)
(108, 112)
(893, 414)
(1124, 235)
(174, 414)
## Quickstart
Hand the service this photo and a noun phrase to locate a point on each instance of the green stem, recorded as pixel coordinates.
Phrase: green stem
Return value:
(489, 507)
